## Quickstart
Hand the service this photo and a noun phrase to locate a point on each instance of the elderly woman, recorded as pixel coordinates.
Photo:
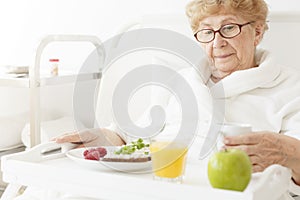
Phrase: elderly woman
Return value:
(258, 91)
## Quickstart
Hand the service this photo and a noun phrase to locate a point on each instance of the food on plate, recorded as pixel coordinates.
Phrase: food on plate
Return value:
(136, 151)
(94, 153)
(230, 169)
(134, 146)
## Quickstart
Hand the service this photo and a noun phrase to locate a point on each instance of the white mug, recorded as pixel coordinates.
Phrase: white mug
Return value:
(232, 129)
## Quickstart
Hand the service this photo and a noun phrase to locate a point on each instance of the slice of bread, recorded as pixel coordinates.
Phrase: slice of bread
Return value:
(141, 159)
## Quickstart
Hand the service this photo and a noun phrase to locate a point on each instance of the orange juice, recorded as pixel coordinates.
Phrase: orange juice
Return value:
(168, 159)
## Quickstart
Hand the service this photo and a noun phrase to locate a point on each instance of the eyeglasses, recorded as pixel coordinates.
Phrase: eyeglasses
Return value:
(227, 31)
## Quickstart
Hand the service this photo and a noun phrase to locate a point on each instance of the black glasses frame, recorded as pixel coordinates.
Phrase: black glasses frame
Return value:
(218, 31)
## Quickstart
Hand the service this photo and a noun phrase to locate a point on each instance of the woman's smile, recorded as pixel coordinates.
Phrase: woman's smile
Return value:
(223, 56)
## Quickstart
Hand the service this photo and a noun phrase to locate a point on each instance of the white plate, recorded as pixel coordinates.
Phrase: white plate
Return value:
(139, 167)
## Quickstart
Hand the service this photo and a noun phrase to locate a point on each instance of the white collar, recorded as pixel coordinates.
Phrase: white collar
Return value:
(249, 79)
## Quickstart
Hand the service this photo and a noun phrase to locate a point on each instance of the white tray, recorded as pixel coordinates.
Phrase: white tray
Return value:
(60, 173)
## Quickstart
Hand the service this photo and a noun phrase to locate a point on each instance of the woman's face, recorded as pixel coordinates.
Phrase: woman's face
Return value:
(229, 55)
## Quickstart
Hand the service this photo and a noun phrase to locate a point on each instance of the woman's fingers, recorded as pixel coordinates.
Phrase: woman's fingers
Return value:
(91, 137)
(244, 139)
(257, 168)
(248, 149)
(76, 137)
(73, 137)
(255, 159)
(81, 146)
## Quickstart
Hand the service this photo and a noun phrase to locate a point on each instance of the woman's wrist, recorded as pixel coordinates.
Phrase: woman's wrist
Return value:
(111, 136)
(294, 159)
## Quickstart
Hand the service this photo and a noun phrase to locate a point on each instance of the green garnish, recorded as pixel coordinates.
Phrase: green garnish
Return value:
(132, 147)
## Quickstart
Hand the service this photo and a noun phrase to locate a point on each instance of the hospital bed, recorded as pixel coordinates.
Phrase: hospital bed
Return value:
(282, 39)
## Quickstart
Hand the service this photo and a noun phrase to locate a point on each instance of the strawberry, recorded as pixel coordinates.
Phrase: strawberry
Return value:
(85, 152)
(92, 155)
(102, 151)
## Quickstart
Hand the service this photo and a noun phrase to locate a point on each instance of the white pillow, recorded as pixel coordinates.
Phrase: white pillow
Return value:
(11, 128)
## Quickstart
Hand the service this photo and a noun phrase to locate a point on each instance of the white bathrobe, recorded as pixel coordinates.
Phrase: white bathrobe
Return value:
(266, 97)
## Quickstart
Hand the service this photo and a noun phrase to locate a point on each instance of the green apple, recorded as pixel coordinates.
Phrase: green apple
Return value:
(229, 169)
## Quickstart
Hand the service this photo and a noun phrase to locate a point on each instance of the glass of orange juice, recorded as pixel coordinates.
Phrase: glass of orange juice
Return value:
(168, 160)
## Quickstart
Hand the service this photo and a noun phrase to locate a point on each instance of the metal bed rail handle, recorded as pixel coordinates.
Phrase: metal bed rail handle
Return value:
(34, 77)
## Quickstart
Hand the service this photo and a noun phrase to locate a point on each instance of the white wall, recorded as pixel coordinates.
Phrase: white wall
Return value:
(287, 5)
(25, 22)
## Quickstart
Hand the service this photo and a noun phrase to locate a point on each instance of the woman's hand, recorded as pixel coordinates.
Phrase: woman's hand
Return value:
(92, 137)
(266, 148)
(263, 148)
